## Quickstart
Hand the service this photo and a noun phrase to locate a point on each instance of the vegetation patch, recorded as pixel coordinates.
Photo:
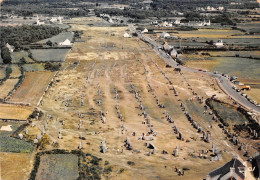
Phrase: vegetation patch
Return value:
(10, 144)
(49, 55)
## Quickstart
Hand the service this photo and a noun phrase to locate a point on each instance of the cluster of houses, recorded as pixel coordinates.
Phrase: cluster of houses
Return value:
(210, 8)
(178, 22)
(110, 19)
(52, 20)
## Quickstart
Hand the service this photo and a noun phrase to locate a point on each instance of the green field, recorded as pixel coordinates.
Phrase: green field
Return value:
(10, 144)
(33, 67)
(228, 113)
(58, 166)
(59, 38)
(16, 56)
(49, 54)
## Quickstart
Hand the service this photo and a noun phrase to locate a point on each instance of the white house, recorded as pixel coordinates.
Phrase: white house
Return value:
(219, 44)
(234, 169)
(177, 21)
(11, 48)
(127, 35)
(38, 22)
(145, 30)
(65, 43)
(165, 35)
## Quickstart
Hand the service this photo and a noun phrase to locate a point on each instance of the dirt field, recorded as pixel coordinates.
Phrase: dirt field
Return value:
(32, 87)
(16, 165)
(106, 70)
(9, 111)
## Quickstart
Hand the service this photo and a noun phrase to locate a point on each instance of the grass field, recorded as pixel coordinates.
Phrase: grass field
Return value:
(59, 38)
(14, 127)
(10, 144)
(6, 87)
(58, 166)
(16, 56)
(9, 111)
(33, 67)
(32, 87)
(15, 166)
(16, 72)
(49, 55)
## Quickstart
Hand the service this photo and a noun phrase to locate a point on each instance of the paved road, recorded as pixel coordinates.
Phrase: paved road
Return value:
(224, 82)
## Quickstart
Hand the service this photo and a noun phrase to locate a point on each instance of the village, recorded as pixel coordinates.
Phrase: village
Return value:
(103, 98)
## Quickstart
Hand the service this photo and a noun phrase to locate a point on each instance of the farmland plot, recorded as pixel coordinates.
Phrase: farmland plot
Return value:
(58, 166)
(33, 67)
(16, 72)
(59, 38)
(10, 111)
(32, 88)
(2, 71)
(7, 86)
(49, 54)
(19, 170)
(16, 56)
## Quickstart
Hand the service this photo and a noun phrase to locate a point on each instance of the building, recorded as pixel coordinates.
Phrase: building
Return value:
(65, 43)
(38, 22)
(127, 35)
(234, 169)
(164, 35)
(199, 23)
(144, 30)
(11, 48)
(219, 44)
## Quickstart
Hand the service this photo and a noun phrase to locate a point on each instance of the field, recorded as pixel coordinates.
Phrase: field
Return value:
(9, 111)
(33, 67)
(17, 56)
(10, 144)
(58, 166)
(6, 87)
(103, 71)
(49, 55)
(59, 38)
(15, 165)
(32, 87)
(16, 72)
(2, 71)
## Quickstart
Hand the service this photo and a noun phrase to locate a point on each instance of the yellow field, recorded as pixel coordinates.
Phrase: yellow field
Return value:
(32, 87)
(15, 166)
(7, 86)
(9, 111)
(15, 71)
(209, 33)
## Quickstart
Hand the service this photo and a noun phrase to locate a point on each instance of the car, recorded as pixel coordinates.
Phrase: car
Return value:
(215, 72)
(200, 70)
(238, 90)
(242, 94)
(205, 70)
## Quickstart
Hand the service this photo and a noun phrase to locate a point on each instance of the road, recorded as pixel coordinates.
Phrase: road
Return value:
(224, 82)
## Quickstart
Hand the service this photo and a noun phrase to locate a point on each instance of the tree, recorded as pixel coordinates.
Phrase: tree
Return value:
(23, 60)
(6, 56)
(49, 43)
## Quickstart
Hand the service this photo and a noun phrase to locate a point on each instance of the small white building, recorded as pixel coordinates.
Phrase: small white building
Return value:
(177, 21)
(145, 30)
(11, 48)
(164, 35)
(127, 35)
(219, 44)
(65, 43)
(38, 22)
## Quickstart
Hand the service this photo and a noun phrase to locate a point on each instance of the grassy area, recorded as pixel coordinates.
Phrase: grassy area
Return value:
(33, 67)
(59, 38)
(16, 56)
(58, 166)
(49, 55)
(10, 144)
(228, 113)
